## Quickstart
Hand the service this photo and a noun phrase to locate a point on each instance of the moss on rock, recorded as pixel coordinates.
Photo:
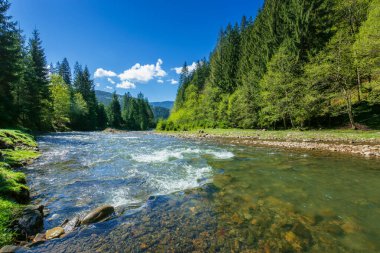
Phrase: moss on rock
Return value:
(16, 149)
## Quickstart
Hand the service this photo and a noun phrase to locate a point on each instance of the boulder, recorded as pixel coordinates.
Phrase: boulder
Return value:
(54, 233)
(30, 223)
(22, 196)
(98, 214)
(9, 249)
(39, 238)
(70, 225)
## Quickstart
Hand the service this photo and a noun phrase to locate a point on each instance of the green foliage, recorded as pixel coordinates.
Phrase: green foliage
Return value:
(137, 113)
(13, 190)
(79, 111)
(60, 94)
(102, 116)
(11, 65)
(64, 71)
(8, 209)
(300, 63)
(18, 157)
(114, 112)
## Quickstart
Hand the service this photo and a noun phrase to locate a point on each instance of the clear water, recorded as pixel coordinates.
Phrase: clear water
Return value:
(208, 196)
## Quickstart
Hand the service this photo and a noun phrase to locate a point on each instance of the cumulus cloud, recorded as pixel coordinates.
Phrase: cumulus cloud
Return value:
(104, 73)
(143, 73)
(126, 85)
(111, 81)
(97, 84)
(172, 81)
(160, 81)
(191, 68)
(109, 87)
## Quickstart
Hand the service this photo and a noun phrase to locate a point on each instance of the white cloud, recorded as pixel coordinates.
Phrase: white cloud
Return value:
(109, 87)
(172, 81)
(97, 84)
(103, 73)
(160, 81)
(143, 73)
(191, 68)
(126, 85)
(111, 81)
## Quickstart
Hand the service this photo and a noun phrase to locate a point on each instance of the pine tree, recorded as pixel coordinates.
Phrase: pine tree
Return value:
(114, 112)
(38, 85)
(65, 71)
(11, 65)
(102, 116)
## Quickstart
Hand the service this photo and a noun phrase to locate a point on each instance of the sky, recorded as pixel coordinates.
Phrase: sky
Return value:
(131, 46)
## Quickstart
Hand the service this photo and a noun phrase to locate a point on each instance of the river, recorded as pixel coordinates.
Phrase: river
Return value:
(176, 195)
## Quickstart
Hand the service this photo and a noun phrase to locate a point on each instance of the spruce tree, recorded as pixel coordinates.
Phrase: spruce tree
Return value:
(65, 71)
(37, 80)
(11, 65)
(114, 112)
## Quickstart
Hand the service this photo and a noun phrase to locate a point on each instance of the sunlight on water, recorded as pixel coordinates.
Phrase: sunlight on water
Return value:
(218, 197)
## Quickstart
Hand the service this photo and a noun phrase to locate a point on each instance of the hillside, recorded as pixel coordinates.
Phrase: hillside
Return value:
(160, 109)
(298, 64)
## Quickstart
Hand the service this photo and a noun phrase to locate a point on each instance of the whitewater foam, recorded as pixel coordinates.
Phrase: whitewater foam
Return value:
(194, 177)
(166, 154)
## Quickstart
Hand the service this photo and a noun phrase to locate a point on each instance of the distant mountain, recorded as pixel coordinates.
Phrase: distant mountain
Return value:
(166, 104)
(160, 109)
(104, 97)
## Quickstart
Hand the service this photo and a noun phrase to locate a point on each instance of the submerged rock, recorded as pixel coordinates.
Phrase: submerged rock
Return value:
(54, 233)
(98, 214)
(9, 249)
(30, 223)
(39, 238)
(70, 225)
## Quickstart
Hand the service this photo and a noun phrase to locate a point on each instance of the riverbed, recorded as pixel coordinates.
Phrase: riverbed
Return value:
(178, 195)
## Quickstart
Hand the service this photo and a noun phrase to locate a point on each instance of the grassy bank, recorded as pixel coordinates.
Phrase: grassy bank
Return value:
(290, 135)
(16, 149)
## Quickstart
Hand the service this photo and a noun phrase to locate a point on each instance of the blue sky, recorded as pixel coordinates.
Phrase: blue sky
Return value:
(130, 45)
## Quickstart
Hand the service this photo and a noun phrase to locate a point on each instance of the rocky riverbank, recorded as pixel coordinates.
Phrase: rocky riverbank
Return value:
(368, 147)
(16, 150)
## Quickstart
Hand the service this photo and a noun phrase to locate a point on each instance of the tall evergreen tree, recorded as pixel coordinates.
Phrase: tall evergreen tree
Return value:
(11, 65)
(37, 81)
(65, 71)
(114, 112)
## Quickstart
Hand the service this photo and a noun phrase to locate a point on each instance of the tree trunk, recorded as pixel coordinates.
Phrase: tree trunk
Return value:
(347, 96)
(359, 84)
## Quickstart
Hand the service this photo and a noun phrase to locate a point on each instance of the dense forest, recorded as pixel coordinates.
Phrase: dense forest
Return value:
(299, 64)
(36, 96)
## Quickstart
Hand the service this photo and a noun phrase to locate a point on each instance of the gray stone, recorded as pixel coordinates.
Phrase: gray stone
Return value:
(9, 249)
(98, 214)
(31, 222)
(70, 225)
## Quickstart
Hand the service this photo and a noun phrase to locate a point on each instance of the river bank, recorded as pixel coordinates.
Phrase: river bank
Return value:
(16, 150)
(363, 143)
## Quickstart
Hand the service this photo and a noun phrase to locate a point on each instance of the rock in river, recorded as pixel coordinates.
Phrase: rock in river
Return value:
(98, 214)
(9, 249)
(70, 225)
(31, 222)
(54, 233)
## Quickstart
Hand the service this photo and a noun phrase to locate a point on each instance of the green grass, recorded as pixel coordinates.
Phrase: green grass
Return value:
(8, 210)
(19, 157)
(17, 138)
(295, 135)
(13, 185)
(18, 148)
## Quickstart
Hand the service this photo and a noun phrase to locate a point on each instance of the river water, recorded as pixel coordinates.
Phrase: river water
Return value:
(175, 195)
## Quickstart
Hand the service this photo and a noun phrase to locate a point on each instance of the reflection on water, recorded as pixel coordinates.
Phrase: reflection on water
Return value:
(209, 197)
